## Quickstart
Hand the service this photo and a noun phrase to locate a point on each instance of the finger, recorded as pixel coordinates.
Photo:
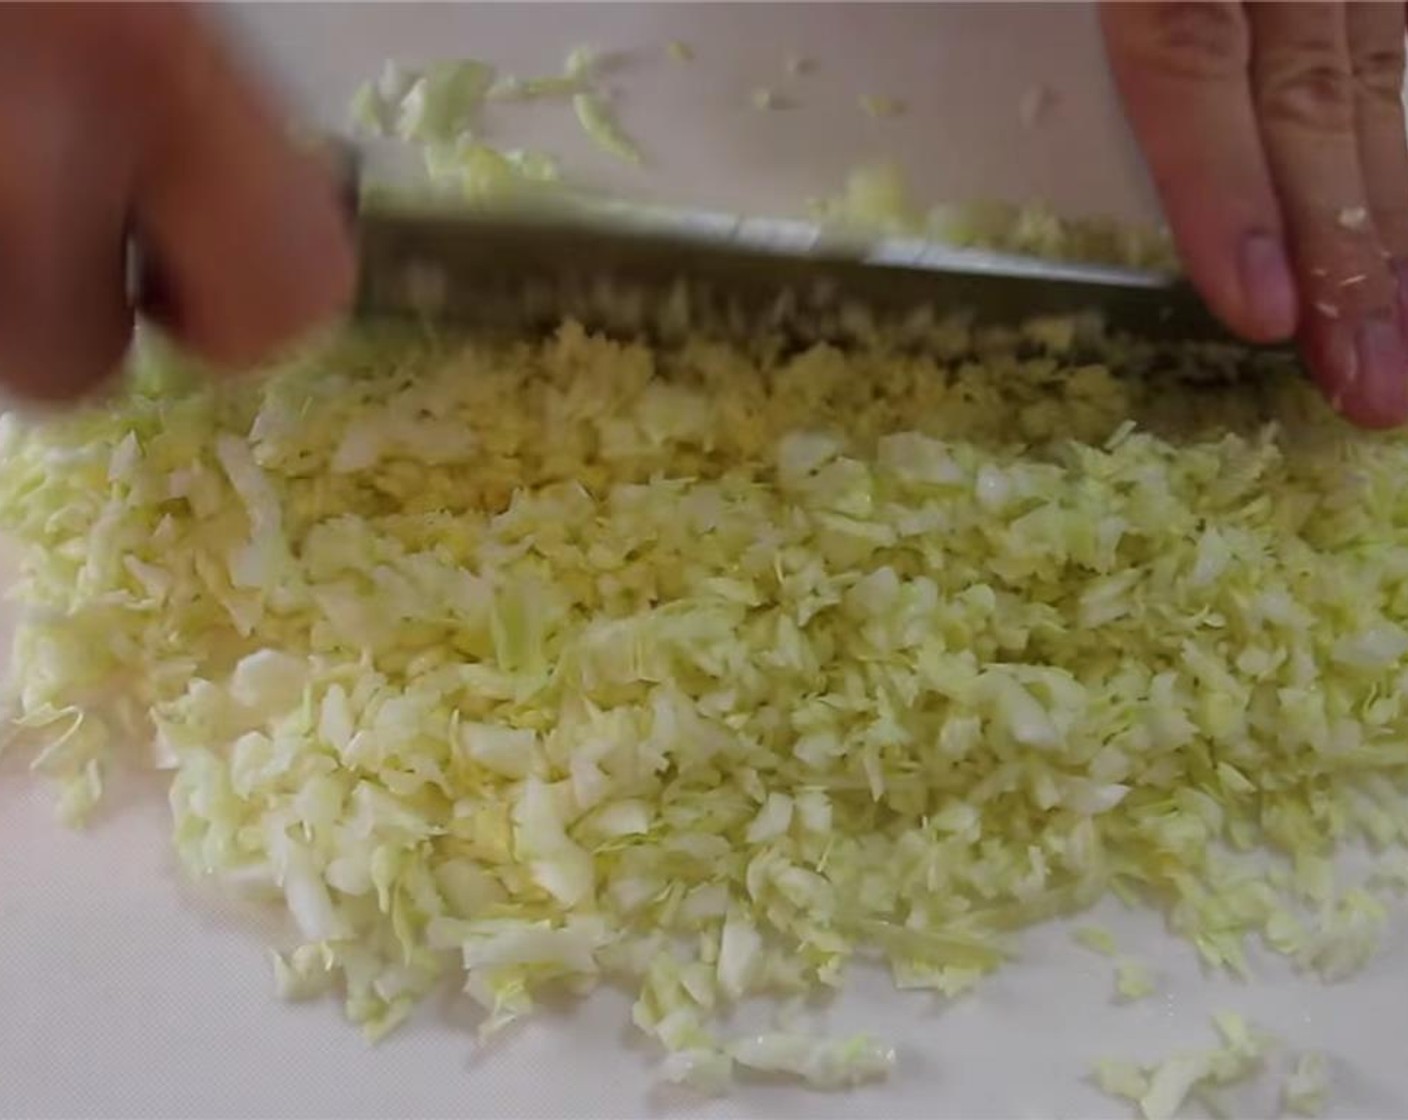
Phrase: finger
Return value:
(1305, 93)
(64, 320)
(1376, 33)
(1182, 71)
(245, 227)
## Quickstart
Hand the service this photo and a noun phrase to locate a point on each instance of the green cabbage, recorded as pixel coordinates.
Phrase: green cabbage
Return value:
(709, 669)
(435, 104)
(600, 123)
(706, 669)
(1160, 1089)
(880, 106)
(1133, 980)
(1097, 939)
(1303, 1093)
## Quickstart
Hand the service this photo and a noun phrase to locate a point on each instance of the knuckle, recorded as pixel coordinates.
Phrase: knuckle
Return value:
(1198, 40)
(1309, 90)
(1379, 72)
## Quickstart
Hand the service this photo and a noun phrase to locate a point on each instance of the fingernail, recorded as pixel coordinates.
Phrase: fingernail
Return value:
(1382, 368)
(1269, 288)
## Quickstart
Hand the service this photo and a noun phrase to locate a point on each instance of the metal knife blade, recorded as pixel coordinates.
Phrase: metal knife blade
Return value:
(667, 274)
(517, 272)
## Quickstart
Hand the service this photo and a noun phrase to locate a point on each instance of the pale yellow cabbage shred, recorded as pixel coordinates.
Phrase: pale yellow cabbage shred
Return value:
(1097, 939)
(1134, 980)
(1304, 1090)
(878, 198)
(1160, 1089)
(708, 669)
(599, 122)
(880, 106)
(1037, 229)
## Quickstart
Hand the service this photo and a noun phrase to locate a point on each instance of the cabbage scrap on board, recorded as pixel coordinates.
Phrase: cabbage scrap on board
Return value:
(710, 670)
(1161, 1089)
(435, 110)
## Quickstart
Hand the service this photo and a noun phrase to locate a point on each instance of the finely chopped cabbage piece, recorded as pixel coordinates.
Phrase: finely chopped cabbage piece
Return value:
(878, 199)
(598, 121)
(879, 106)
(1160, 1089)
(707, 670)
(434, 104)
(1134, 980)
(1303, 1093)
(1097, 939)
(478, 172)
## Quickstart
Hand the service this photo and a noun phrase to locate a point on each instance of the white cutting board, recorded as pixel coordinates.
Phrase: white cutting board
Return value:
(121, 994)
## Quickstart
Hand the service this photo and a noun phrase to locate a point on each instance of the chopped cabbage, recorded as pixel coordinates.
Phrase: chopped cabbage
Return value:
(582, 61)
(600, 124)
(306, 973)
(1348, 934)
(704, 670)
(1161, 1088)
(432, 107)
(1133, 980)
(880, 107)
(707, 669)
(442, 101)
(876, 199)
(1306, 1086)
(824, 1063)
(1035, 229)
(376, 104)
(708, 1071)
(1119, 1078)
(680, 51)
(477, 172)
(1097, 939)
(509, 88)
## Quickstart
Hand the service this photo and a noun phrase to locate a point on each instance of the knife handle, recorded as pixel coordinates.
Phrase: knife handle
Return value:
(149, 290)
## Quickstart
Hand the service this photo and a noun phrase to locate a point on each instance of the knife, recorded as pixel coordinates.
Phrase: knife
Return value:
(512, 273)
(523, 269)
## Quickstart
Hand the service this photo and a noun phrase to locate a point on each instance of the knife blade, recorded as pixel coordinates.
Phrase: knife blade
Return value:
(523, 269)
(515, 272)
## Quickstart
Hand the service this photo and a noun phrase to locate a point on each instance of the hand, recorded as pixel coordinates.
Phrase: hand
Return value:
(118, 118)
(1275, 134)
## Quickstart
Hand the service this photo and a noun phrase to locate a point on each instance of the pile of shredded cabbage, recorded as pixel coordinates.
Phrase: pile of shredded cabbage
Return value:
(711, 670)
